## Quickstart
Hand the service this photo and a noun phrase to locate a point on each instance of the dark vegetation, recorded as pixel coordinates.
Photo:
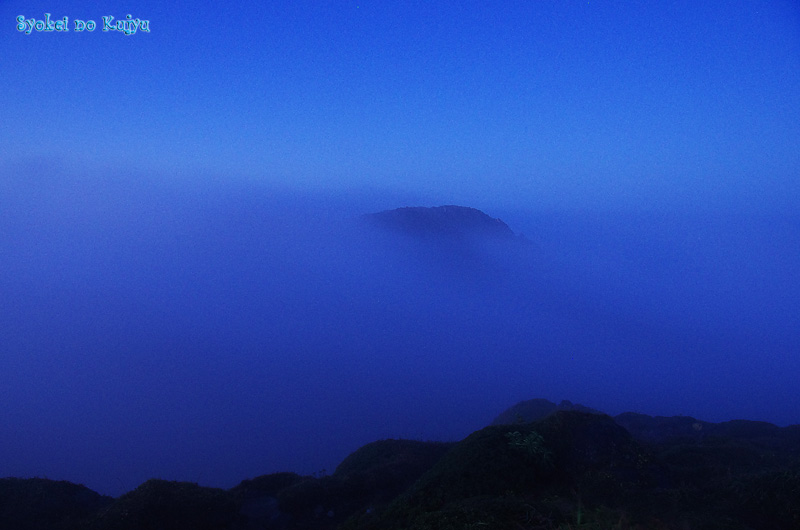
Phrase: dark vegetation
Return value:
(554, 467)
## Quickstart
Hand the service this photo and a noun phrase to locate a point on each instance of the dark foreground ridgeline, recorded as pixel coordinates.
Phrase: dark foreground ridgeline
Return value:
(538, 466)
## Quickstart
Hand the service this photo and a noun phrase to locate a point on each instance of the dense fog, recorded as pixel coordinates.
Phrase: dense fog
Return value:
(218, 332)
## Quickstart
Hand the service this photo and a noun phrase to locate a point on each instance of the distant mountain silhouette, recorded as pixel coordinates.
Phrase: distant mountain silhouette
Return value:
(660, 429)
(443, 221)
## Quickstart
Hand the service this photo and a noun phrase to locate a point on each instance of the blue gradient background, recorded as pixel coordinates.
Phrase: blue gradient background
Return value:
(556, 103)
(650, 149)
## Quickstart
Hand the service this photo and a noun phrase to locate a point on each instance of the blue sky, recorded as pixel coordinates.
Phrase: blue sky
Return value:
(543, 104)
